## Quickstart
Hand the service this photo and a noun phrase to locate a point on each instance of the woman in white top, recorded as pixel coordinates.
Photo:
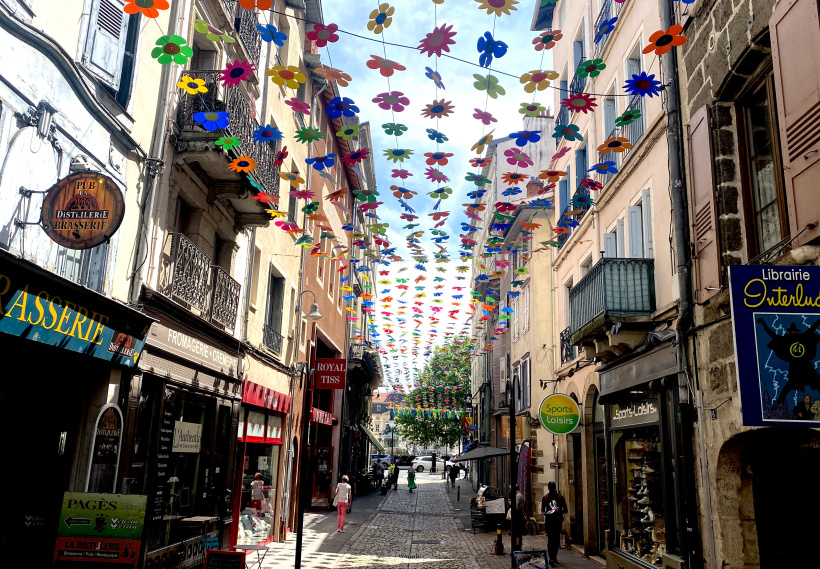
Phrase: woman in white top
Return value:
(340, 501)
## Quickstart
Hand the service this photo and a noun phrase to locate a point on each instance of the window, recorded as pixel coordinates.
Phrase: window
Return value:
(273, 316)
(320, 267)
(525, 308)
(581, 165)
(257, 261)
(515, 319)
(282, 52)
(110, 45)
(578, 48)
(331, 280)
(562, 14)
(567, 310)
(610, 113)
(640, 228)
(526, 383)
(586, 266)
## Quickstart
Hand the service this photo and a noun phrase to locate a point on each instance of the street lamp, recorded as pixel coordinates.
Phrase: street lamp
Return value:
(312, 315)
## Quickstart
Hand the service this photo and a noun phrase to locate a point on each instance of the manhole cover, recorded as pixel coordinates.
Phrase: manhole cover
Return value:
(426, 541)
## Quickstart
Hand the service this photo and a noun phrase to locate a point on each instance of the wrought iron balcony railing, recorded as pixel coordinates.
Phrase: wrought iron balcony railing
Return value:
(633, 131)
(245, 25)
(605, 14)
(578, 84)
(225, 299)
(272, 339)
(563, 114)
(568, 351)
(617, 288)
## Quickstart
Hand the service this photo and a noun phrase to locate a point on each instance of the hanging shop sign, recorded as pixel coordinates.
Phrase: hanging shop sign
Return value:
(82, 210)
(519, 428)
(187, 437)
(103, 528)
(776, 316)
(634, 412)
(559, 414)
(330, 373)
(319, 416)
(105, 451)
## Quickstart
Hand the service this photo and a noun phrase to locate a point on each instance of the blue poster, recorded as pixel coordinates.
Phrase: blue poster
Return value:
(776, 318)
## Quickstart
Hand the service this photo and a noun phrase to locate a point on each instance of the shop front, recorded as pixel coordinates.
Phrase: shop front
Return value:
(321, 457)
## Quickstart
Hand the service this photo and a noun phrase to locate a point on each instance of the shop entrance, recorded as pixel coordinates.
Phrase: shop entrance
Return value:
(575, 470)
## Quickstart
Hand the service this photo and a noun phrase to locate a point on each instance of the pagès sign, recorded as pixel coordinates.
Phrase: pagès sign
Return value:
(559, 414)
(330, 373)
(82, 210)
(187, 437)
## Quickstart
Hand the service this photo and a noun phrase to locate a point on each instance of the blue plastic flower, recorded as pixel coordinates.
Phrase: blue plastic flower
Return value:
(605, 29)
(540, 202)
(269, 33)
(476, 195)
(212, 120)
(321, 162)
(435, 76)
(522, 137)
(511, 192)
(433, 134)
(604, 168)
(642, 85)
(489, 48)
(267, 133)
(341, 106)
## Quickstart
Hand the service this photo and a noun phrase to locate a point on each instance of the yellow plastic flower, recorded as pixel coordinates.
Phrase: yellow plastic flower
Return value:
(497, 7)
(290, 76)
(381, 18)
(537, 79)
(192, 86)
(485, 140)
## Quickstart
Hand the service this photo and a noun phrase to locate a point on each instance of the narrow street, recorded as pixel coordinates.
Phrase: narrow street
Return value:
(426, 529)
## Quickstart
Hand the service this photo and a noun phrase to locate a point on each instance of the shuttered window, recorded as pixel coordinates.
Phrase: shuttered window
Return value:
(105, 42)
(610, 246)
(646, 213)
(795, 32)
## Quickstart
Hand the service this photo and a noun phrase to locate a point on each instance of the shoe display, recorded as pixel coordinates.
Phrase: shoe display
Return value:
(644, 500)
(645, 510)
(648, 470)
(634, 499)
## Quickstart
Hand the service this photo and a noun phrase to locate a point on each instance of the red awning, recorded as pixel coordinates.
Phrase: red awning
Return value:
(319, 416)
(261, 396)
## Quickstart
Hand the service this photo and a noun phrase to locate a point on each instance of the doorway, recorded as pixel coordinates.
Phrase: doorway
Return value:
(576, 482)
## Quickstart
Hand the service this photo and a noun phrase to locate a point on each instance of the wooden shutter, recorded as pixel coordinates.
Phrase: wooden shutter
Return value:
(646, 212)
(105, 43)
(502, 374)
(610, 246)
(620, 241)
(635, 232)
(705, 250)
(795, 31)
(609, 116)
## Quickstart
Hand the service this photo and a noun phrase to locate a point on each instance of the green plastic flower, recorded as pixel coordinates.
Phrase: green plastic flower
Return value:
(590, 68)
(227, 142)
(311, 207)
(398, 155)
(308, 134)
(441, 193)
(349, 132)
(532, 109)
(172, 49)
(394, 129)
(212, 33)
(629, 116)
(477, 179)
(490, 84)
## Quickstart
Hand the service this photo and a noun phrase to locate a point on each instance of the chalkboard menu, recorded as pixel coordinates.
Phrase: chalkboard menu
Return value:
(166, 441)
(215, 559)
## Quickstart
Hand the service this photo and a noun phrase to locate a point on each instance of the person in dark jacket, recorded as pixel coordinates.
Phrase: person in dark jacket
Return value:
(803, 409)
(553, 506)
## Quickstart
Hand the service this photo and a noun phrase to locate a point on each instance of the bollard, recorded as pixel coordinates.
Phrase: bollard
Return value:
(499, 543)
(458, 493)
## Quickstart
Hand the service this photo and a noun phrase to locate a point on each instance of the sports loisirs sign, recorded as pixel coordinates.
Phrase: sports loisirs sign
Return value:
(559, 414)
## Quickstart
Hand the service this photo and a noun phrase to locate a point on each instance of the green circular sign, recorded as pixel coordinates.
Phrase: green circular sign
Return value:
(559, 414)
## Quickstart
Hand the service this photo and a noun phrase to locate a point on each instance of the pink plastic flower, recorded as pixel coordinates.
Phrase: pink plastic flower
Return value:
(484, 117)
(517, 158)
(394, 100)
(437, 41)
(560, 153)
(435, 175)
(298, 106)
(403, 174)
(236, 72)
(385, 66)
(322, 34)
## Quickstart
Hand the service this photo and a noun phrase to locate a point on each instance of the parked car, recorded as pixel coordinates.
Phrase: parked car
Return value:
(404, 462)
(385, 458)
(422, 463)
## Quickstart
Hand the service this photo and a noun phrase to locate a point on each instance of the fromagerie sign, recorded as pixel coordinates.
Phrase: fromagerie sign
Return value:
(330, 373)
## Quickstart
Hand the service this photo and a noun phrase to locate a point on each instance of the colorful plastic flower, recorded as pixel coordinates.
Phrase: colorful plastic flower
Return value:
(480, 162)
(280, 157)
(590, 68)
(608, 167)
(341, 106)
(191, 85)
(437, 41)
(513, 178)
(393, 101)
(398, 155)
(235, 73)
(538, 79)
(489, 48)
(439, 137)
(323, 34)
(522, 137)
(490, 84)
(308, 134)
(261, 4)
(582, 102)
(402, 174)
(552, 175)
(321, 162)
(349, 132)
(148, 8)
(292, 178)
(172, 49)
(497, 7)
(547, 40)
(605, 29)
(394, 129)
(267, 133)
(518, 158)
(243, 164)
(385, 66)
(212, 120)
(440, 158)
(569, 132)
(334, 75)
(485, 140)
(441, 193)
(532, 109)
(435, 77)
(298, 106)
(227, 142)
(615, 144)
(381, 18)
(356, 156)
(662, 41)
(212, 33)
(437, 109)
(288, 76)
(435, 175)
(642, 85)
(560, 154)
(269, 33)
(628, 117)
(478, 179)
(591, 184)
(511, 192)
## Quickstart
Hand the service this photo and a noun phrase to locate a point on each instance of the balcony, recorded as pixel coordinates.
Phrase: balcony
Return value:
(244, 23)
(633, 131)
(563, 116)
(578, 84)
(272, 340)
(612, 304)
(568, 351)
(576, 213)
(188, 277)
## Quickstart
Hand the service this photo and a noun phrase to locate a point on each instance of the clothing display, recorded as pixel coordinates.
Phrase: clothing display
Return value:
(253, 529)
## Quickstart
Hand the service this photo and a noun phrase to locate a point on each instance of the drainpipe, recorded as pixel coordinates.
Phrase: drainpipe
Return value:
(153, 165)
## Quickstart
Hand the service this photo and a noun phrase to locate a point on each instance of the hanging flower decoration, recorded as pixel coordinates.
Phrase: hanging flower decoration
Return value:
(356, 156)
(480, 162)
(385, 66)
(497, 7)
(435, 77)
(280, 157)
(552, 175)
(532, 109)
(334, 75)
(311, 207)
(579, 102)
(511, 192)
(489, 48)
(547, 39)
(569, 132)
(485, 140)
(437, 136)
(489, 84)
(321, 162)
(341, 106)
(478, 179)
(235, 73)
(148, 8)
(398, 155)
(642, 85)
(402, 174)
(172, 49)
(516, 157)
(301, 194)
(212, 33)
(438, 109)
(560, 154)
(484, 117)
(615, 144)
(591, 184)
(440, 158)
(381, 18)
(261, 4)
(298, 106)
(437, 41)
(662, 41)
(402, 193)
(537, 79)
(227, 142)
(308, 134)
(323, 34)
(211, 120)
(267, 133)
(288, 76)
(436, 176)
(441, 193)
(590, 68)
(192, 86)
(608, 167)
(605, 29)
(349, 132)
(270, 34)
(581, 200)
(392, 101)
(243, 164)
(513, 178)
(394, 129)
(523, 137)
(628, 117)
(266, 198)
(293, 179)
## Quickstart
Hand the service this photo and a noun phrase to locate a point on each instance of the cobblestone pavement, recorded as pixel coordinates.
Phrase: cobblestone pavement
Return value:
(428, 529)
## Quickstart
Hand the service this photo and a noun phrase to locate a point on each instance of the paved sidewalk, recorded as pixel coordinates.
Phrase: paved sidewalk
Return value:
(427, 529)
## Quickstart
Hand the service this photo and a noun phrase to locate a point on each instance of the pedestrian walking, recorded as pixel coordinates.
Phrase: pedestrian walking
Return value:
(453, 475)
(411, 480)
(553, 506)
(378, 473)
(394, 476)
(341, 501)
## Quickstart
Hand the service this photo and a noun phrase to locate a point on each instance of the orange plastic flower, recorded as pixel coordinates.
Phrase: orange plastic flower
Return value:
(293, 179)
(334, 75)
(615, 144)
(552, 175)
(512, 178)
(662, 41)
(243, 164)
(547, 40)
(261, 4)
(148, 8)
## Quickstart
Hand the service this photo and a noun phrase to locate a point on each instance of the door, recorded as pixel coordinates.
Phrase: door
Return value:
(577, 490)
(601, 503)
(322, 475)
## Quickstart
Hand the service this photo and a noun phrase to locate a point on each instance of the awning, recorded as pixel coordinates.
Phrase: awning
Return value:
(481, 453)
(261, 396)
(372, 438)
(319, 416)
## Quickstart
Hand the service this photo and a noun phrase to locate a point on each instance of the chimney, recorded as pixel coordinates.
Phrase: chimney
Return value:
(534, 186)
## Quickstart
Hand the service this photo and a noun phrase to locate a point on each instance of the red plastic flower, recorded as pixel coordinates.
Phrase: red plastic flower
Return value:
(280, 157)
(437, 41)
(385, 66)
(403, 174)
(440, 158)
(261, 4)
(480, 162)
(662, 41)
(517, 158)
(148, 8)
(298, 106)
(394, 101)
(356, 156)
(322, 34)
(582, 102)
(437, 109)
